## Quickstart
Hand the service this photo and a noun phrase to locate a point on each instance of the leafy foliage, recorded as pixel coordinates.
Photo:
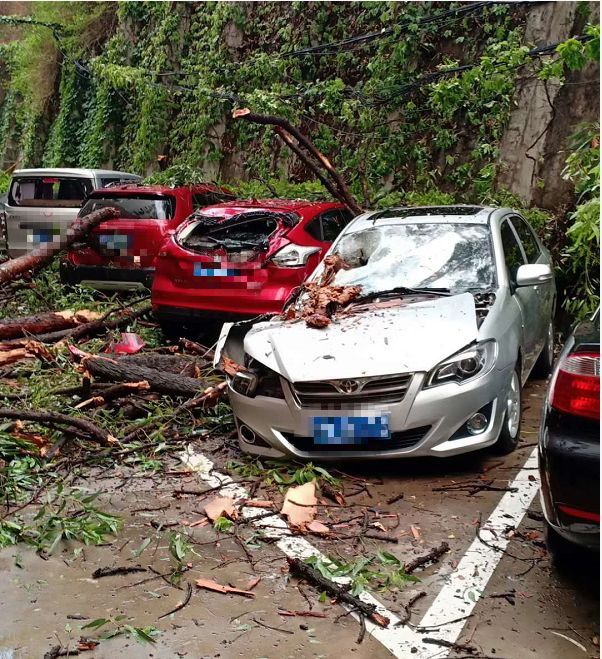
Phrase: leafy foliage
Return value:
(582, 255)
(388, 573)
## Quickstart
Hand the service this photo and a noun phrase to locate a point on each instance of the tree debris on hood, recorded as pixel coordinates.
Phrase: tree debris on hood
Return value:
(322, 299)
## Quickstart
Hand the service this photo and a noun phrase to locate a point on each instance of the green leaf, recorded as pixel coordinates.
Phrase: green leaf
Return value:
(95, 624)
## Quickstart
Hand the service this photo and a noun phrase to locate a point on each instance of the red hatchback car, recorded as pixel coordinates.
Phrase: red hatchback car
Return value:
(121, 253)
(240, 259)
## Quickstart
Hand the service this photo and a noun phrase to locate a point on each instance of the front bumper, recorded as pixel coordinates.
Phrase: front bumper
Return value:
(427, 422)
(105, 278)
(569, 466)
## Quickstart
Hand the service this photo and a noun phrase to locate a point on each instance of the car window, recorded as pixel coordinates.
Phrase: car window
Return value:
(105, 182)
(49, 191)
(513, 255)
(457, 257)
(147, 207)
(529, 243)
(314, 228)
(333, 223)
(200, 200)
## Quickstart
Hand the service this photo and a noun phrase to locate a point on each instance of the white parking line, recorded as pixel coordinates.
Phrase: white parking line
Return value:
(461, 591)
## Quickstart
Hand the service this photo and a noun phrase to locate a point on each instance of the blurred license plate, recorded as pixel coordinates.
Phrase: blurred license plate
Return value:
(115, 242)
(202, 270)
(42, 237)
(350, 429)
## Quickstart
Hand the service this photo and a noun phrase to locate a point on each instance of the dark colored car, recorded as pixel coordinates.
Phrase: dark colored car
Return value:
(240, 259)
(121, 253)
(569, 444)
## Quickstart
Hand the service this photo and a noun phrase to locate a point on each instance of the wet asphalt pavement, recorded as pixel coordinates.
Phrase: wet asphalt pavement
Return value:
(528, 608)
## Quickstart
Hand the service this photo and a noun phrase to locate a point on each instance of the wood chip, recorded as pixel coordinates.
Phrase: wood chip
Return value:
(415, 532)
(210, 584)
(252, 583)
(300, 504)
(304, 614)
(254, 503)
(318, 527)
(220, 507)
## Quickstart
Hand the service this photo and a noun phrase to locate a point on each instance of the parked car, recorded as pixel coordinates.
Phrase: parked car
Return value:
(121, 254)
(241, 259)
(42, 203)
(569, 444)
(455, 312)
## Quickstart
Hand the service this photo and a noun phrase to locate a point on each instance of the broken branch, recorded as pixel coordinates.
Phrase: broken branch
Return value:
(46, 417)
(301, 569)
(41, 256)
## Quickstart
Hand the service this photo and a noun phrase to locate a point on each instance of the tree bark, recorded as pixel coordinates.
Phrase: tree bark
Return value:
(43, 255)
(55, 419)
(117, 370)
(86, 330)
(11, 328)
(343, 193)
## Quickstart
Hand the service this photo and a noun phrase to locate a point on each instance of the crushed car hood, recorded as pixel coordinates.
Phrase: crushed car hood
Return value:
(407, 338)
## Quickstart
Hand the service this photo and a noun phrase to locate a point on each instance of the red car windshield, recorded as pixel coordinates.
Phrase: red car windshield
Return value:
(143, 207)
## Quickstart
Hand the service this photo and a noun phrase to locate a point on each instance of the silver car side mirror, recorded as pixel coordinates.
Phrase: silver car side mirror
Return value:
(533, 274)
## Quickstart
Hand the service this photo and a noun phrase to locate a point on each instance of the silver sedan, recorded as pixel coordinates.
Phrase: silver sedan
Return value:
(455, 312)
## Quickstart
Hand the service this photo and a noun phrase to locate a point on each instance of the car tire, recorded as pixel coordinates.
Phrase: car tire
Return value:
(561, 550)
(545, 361)
(510, 432)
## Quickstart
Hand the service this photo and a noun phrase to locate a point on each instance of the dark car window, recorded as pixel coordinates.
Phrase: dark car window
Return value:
(329, 225)
(314, 228)
(147, 207)
(512, 251)
(333, 223)
(49, 191)
(200, 200)
(527, 239)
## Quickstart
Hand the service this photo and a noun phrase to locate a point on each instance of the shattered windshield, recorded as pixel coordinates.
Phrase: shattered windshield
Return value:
(457, 257)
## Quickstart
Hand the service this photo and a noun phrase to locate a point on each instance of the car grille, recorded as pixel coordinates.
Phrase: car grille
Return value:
(336, 394)
(398, 440)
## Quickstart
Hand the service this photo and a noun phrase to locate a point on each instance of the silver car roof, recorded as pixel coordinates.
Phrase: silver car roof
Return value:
(457, 214)
(75, 172)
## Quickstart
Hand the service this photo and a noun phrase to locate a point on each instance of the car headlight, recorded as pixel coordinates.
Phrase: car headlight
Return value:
(466, 365)
(257, 380)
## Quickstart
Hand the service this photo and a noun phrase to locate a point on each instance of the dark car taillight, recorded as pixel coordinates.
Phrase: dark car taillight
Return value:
(576, 386)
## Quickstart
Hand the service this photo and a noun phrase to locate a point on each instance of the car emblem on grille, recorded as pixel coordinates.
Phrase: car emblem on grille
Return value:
(349, 386)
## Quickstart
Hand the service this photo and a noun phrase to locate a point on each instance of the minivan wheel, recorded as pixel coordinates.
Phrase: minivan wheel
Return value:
(545, 361)
(510, 433)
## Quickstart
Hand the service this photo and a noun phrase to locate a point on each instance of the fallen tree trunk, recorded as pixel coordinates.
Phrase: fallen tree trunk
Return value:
(54, 419)
(86, 330)
(52, 321)
(176, 364)
(118, 370)
(43, 255)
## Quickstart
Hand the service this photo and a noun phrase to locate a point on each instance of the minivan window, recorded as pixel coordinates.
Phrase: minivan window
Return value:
(49, 191)
(143, 207)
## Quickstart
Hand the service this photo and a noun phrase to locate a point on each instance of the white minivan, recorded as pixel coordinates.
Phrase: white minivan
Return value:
(42, 203)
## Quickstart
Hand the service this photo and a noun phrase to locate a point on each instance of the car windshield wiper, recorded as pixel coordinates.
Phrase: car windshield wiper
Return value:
(400, 291)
